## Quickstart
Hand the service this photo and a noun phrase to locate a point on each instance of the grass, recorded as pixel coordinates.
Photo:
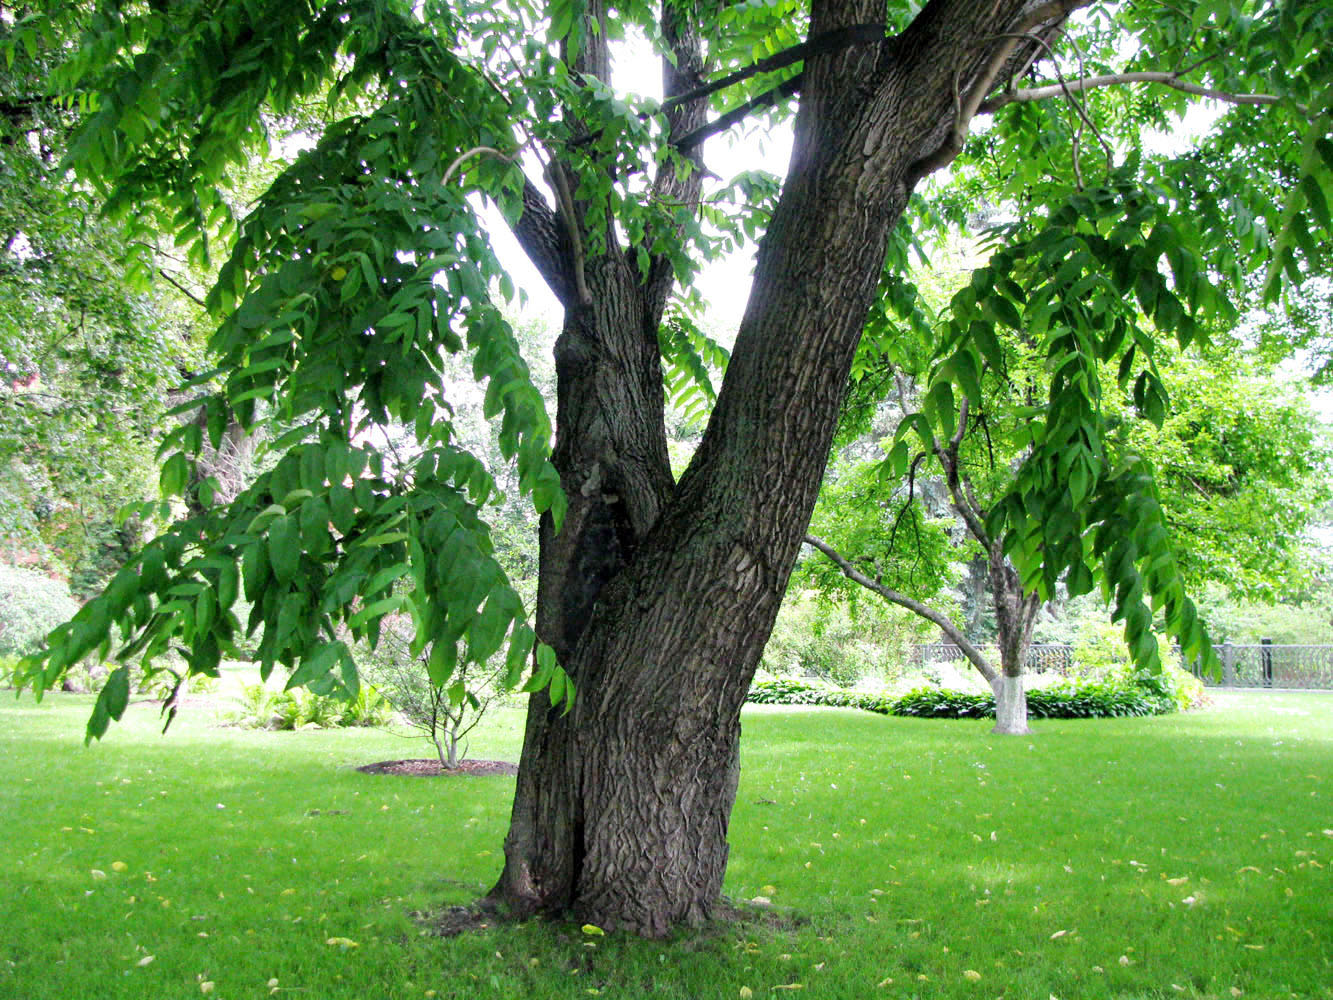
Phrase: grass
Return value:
(1184, 856)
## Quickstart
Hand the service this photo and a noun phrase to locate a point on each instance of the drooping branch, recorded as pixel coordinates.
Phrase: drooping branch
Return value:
(974, 655)
(1166, 79)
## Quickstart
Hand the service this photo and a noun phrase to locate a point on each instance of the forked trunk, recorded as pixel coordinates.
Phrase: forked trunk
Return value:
(659, 597)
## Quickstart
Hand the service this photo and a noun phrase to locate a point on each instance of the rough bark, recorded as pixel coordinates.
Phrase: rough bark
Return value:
(659, 598)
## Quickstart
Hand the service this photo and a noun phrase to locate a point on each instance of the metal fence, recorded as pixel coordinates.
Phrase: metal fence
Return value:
(1042, 657)
(1261, 665)
(1271, 665)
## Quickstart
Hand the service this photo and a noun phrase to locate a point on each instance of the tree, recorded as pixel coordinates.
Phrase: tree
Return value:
(443, 714)
(87, 355)
(1240, 463)
(655, 596)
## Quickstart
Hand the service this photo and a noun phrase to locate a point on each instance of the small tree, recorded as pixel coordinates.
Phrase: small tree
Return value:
(446, 709)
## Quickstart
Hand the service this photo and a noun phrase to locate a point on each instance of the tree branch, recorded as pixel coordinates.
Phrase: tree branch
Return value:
(973, 654)
(545, 241)
(1166, 79)
(786, 88)
(181, 288)
(840, 38)
(555, 173)
(829, 41)
(966, 108)
(960, 491)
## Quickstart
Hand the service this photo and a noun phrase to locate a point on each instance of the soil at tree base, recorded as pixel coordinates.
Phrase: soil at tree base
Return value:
(425, 768)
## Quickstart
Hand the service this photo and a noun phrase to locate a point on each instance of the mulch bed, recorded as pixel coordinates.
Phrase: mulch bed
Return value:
(431, 768)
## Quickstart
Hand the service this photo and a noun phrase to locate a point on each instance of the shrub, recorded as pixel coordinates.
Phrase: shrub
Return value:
(31, 605)
(1126, 693)
(1095, 699)
(258, 708)
(788, 691)
(1181, 688)
(941, 703)
(785, 691)
(263, 708)
(839, 643)
(368, 708)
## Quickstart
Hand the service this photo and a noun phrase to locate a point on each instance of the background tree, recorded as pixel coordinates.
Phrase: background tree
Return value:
(1242, 468)
(1242, 464)
(88, 353)
(655, 596)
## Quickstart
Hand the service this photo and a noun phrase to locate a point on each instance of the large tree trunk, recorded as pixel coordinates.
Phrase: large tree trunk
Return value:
(659, 598)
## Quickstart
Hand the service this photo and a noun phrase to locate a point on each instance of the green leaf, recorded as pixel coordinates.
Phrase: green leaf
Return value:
(175, 475)
(254, 570)
(110, 704)
(377, 609)
(316, 665)
(556, 688)
(442, 661)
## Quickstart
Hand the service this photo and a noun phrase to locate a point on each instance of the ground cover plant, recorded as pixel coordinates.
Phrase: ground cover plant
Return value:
(1182, 856)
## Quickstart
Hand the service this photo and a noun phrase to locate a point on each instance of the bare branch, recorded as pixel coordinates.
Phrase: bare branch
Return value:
(1166, 79)
(555, 173)
(856, 34)
(960, 489)
(467, 154)
(973, 654)
(196, 299)
(1084, 117)
(840, 38)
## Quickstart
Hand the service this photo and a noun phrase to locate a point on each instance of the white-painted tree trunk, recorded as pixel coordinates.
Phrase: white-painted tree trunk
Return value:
(1011, 705)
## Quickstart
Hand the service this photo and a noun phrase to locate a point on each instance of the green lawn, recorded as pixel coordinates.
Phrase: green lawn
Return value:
(1187, 856)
